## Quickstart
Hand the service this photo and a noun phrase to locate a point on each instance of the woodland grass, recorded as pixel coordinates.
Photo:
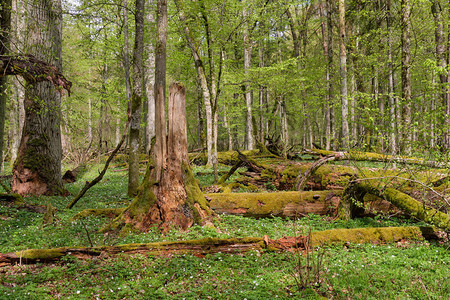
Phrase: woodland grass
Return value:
(396, 271)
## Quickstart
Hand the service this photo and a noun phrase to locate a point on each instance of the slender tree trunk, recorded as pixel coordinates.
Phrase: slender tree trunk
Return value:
(248, 92)
(208, 98)
(38, 167)
(159, 155)
(343, 73)
(19, 35)
(330, 130)
(136, 100)
(406, 74)
(5, 28)
(90, 135)
(392, 101)
(149, 75)
(262, 94)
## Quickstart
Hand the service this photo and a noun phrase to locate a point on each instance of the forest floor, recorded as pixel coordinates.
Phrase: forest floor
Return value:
(412, 270)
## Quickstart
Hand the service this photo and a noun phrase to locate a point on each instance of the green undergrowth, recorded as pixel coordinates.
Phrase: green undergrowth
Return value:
(411, 271)
(397, 271)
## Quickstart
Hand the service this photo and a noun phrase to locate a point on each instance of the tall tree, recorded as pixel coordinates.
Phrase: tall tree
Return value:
(343, 73)
(5, 28)
(248, 91)
(169, 195)
(149, 74)
(406, 73)
(38, 167)
(136, 99)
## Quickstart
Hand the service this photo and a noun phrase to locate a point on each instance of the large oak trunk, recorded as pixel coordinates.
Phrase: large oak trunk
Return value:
(173, 199)
(37, 169)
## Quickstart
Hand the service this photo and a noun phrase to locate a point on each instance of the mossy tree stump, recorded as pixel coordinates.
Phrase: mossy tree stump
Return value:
(169, 195)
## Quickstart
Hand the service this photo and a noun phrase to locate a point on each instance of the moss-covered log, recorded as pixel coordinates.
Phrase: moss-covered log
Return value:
(104, 212)
(231, 245)
(372, 156)
(226, 157)
(402, 201)
(280, 204)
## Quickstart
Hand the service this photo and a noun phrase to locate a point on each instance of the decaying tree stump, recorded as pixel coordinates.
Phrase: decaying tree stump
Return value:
(169, 195)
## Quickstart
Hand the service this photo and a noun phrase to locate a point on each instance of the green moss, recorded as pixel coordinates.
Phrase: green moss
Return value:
(43, 254)
(367, 235)
(270, 204)
(107, 212)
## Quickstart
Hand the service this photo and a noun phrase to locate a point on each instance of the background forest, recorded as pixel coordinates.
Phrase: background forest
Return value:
(289, 74)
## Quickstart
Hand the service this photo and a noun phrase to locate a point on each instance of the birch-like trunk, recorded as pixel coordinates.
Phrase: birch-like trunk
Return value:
(248, 92)
(149, 75)
(343, 73)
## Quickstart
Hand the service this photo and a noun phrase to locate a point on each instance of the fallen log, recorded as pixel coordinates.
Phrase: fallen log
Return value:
(279, 204)
(372, 156)
(402, 201)
(232, 245)
(303, 179)
(226, 157)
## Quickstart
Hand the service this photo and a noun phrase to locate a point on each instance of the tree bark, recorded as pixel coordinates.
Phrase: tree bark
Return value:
(248, 92)
(149, 75)
(38, 168)
(401, 200)
(379, 235)
(406, 74)
(136, 100)
(173, 199)
(5, 28)
(279, 204)
(392, 101)
(330, 126)
(343, 73)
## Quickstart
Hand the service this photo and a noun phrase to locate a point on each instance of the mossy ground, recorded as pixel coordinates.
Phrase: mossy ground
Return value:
(392, 271)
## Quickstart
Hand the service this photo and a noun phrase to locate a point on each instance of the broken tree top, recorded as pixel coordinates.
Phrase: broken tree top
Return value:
(33, 70)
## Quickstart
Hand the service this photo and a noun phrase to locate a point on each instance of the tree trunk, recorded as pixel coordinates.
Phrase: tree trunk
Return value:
(38, 167)
(392, 101)
(248, 92)
(329, 56)
(208, 92)
(279, 204)
(406, 74)
(436, 10)
(149, 75)
(136, 100)
(343, 72)
(173, 199)
(5, 28)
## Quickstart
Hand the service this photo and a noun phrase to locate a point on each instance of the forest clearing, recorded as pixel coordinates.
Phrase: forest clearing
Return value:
(211, 149)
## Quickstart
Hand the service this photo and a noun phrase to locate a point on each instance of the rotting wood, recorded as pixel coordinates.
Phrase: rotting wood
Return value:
(371, 156)
(404, 202)
(230, 172)
(205, 246)
(280, 204)
(303, 179)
